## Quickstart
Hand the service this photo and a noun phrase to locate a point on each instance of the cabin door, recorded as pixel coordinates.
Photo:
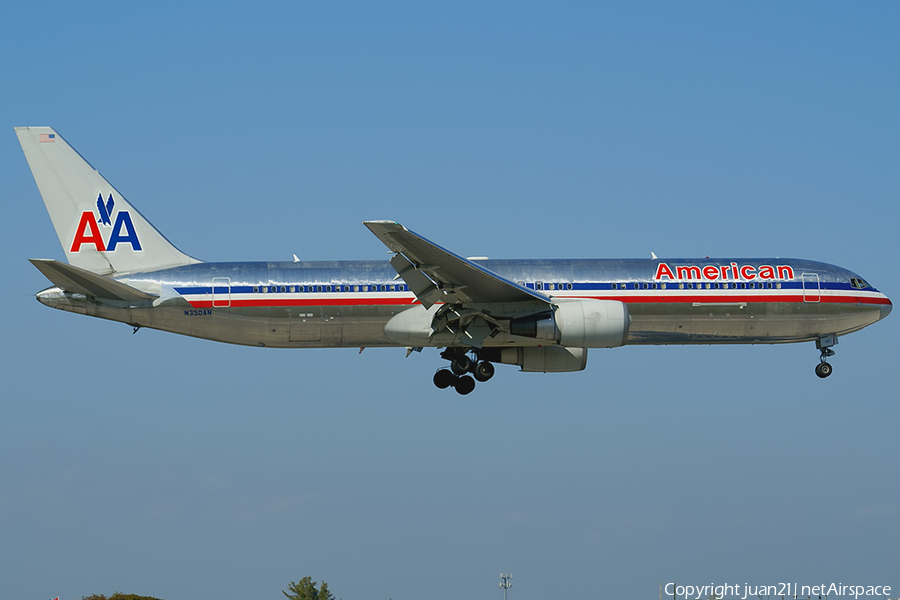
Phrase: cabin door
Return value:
(221, 292)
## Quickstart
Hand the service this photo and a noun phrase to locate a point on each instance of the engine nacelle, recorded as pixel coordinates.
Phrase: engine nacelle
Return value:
(592, 323)
(542, 359)
(578, 324)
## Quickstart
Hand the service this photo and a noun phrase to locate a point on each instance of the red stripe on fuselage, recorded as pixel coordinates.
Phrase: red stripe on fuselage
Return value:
(304, 302)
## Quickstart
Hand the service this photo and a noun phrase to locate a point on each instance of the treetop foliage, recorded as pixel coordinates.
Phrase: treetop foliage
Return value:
(118, 596)
(305, 589)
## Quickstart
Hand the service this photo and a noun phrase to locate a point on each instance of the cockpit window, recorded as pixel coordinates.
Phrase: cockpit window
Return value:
(858, 283)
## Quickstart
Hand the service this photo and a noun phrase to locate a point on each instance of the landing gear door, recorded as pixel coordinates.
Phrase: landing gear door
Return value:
(221, 292)
(810, 287)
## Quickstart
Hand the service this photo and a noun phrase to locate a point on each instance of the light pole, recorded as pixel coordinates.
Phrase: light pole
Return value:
(505, 583)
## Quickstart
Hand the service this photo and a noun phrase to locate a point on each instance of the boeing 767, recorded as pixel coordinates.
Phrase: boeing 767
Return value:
(542, 315)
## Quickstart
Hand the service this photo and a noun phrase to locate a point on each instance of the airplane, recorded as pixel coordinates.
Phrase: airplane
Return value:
(541, 315)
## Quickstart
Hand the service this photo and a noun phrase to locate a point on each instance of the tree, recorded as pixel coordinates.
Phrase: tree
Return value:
(324, 594)
(305, 589)
(118, 596)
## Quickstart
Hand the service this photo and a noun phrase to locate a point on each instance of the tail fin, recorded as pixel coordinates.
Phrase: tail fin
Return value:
(98, 229)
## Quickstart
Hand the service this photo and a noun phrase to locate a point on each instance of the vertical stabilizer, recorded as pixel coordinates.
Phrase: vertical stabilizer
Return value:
(97, 227)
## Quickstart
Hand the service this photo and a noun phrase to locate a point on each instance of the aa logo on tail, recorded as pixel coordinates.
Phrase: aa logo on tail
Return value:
(121, 231)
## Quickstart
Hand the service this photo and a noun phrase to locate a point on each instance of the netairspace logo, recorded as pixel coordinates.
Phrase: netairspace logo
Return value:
(788, 590)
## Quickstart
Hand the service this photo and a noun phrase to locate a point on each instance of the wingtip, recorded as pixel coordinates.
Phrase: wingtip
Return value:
(373, 225)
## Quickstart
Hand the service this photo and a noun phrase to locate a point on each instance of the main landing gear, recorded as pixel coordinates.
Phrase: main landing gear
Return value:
(458, 375)
(824, 369)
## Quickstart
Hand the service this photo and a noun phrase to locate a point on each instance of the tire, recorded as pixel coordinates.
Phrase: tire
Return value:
(483, 371)
(461, 365)
(465, 385)
(824, 369)
(444, 379)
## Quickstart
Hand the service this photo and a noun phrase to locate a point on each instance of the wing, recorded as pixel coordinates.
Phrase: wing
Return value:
(434, 274)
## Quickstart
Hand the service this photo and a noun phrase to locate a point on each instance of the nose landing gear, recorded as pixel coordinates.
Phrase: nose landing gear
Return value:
(457, 376)
(824, 369)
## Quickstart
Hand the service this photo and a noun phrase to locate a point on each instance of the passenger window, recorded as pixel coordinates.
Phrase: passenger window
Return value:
(538, 285)
(568, 286)
(255, 289)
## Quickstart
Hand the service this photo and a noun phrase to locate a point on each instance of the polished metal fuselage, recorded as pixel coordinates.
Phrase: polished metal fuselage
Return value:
(333, 303)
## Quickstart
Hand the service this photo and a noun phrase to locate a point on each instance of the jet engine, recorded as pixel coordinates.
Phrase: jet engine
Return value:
(577, 324)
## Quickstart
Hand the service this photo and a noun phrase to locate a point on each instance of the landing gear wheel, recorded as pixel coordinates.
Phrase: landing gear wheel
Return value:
(444, 379)
(464, 385)
(483, 371)
(824, 369)
(461, 364)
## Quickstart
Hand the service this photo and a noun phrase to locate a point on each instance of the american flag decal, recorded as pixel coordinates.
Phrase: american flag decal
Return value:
(47, 137)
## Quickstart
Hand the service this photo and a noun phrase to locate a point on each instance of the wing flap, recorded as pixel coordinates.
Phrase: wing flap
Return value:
(426, 290)
(81, 281)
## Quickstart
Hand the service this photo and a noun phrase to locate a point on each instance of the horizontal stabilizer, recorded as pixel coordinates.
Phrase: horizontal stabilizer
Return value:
(81, 281)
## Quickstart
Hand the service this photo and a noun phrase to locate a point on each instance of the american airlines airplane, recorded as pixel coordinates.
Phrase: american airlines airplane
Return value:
(541, 315)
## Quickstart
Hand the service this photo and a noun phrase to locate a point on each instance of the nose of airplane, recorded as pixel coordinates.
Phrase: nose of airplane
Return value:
(886, 309)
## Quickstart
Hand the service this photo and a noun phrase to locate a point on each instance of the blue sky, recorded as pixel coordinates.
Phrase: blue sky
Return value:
(181, 468)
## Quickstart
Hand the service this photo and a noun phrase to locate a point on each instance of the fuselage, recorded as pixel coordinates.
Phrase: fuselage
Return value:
(348, 303)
